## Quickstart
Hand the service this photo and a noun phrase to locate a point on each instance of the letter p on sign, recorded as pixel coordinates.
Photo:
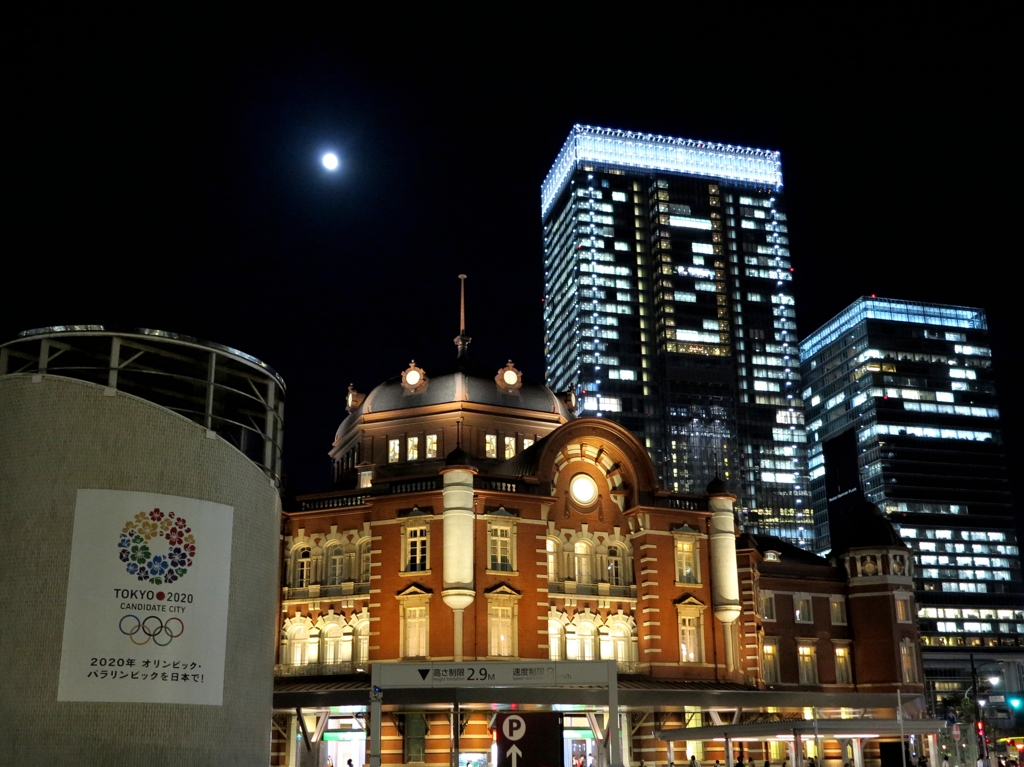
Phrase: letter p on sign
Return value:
(514, 727)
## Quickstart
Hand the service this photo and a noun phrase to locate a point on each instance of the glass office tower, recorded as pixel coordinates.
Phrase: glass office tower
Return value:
(669, 308)
(901, 406)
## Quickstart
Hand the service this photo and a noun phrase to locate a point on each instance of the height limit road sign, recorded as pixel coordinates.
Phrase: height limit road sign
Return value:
(529, 740)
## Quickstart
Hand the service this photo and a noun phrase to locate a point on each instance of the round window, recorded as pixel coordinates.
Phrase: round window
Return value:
(510, 377)
(583, 489)
(412, 377)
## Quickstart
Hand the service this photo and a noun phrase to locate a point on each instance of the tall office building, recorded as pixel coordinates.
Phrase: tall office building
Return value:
(902, 407)
(669, 308)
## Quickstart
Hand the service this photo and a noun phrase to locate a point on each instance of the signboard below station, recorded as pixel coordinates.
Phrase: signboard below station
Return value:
(494, 674)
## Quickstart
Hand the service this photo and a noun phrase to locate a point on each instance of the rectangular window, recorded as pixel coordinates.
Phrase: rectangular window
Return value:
(394, 450)
(431, 446)
(686, 564)
(770, 660)
(416, 546)
(412, 449)
(689, 639)
(807, 663)
(501, 549)
(491, 446)
(766, 605)
(510, 447)
(903, 608)
(365, 479)
(843, 673)
(501, 631)
(837, 610)
(416, 632)
(908, 660)
(802, 612)
(527, 443)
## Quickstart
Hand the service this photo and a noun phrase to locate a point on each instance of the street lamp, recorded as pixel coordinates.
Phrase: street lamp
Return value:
(979, 707)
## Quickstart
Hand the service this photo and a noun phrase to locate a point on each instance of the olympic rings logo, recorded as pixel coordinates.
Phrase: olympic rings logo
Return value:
(152, 627)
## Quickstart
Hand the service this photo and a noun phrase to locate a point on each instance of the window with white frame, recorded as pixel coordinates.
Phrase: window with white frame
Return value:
(903, 612)
(802, 608)
(361, 642)
(837, 610)
(510, 447)
(363, 554)
(622, 641)
(431, 446)
(366, 478)
(908, 662)
(581, 644)
(415, 628)
(335, 558)
(844, 672)
(686, 561)
(298, 649)
(500, 547)
(807, 661)
(527, 442)
(554, 556)
(556, 640)
(770, 660)
(766, 605)
(331, 641)
(491, 445)
(412, 449)
(690, 618)
(502, 623)
(416, 540)
(302, 568)
(394, 450)
(618, 569)
(582, 556)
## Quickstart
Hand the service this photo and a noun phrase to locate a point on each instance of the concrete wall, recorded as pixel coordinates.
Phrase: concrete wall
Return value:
(58, 435)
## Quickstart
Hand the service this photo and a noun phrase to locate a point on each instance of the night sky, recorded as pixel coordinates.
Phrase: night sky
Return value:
(172, 180)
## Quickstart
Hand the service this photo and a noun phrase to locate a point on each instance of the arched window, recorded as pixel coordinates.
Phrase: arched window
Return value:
(363, 576)
(298, 650)
(554, 550)
(556, 640)
(622, 644)
(361, 643)
(303, 568)
(582, 562)
(331, 640)
(586, 636)
(618, 567)
(335, 559)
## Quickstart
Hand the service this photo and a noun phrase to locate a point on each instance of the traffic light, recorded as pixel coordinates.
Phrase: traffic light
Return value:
(1016, 702)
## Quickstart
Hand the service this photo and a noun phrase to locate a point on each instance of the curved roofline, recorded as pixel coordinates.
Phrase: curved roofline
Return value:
(100, 330)
(589, 428)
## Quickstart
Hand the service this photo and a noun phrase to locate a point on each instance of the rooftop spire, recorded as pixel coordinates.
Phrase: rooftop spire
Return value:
(462, 340)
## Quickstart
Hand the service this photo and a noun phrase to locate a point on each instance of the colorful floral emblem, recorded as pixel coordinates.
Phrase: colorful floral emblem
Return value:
(172, 561)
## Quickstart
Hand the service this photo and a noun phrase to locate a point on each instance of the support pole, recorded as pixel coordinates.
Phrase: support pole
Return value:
(798, 750)
(614, 747)
(115, 362)
(457, 634)
(933, 749)
(730, 760)
(376, 698)
(858, 752)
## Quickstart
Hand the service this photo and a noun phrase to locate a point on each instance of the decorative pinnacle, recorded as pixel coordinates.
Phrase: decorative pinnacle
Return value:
(462, 340)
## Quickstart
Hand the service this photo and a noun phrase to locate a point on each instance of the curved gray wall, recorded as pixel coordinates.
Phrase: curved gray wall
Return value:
(59, 435)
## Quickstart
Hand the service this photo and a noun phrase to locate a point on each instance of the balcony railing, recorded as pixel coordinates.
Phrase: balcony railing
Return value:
(320, 669)
(334, 501)
(591, 589)
(321, 591)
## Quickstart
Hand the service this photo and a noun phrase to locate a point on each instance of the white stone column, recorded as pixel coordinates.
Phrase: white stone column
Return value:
(858, 752)
(458, 592)
(725, 592)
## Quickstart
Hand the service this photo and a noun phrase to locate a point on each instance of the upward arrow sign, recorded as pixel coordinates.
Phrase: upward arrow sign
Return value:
(515, 753)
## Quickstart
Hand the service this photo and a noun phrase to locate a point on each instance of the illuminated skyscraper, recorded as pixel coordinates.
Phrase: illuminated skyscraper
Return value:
(902, 407)
(669, 308)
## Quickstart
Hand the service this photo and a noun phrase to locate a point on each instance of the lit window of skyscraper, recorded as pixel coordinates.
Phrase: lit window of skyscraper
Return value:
(901, 405)
(669, 308)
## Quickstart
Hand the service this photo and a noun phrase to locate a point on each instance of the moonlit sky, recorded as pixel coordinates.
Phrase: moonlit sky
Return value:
(173, 181)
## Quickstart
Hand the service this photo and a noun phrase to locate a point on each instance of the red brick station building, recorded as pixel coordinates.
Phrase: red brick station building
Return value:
(478, 540)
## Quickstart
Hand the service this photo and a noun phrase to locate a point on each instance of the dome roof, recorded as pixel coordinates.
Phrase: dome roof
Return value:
(461, 382)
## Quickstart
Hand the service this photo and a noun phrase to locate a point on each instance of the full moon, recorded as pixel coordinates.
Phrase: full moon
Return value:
(330, 161)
